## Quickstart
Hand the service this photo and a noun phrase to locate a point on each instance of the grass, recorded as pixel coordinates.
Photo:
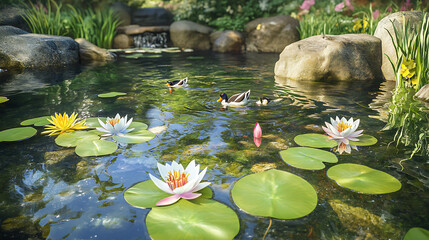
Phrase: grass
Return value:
(98, 27)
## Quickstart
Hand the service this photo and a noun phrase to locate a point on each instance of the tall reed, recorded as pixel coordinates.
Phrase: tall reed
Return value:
(46, 19)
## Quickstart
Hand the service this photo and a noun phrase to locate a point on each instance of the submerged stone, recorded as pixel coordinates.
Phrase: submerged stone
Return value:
(20, 223)
(34, 197)
(263, 166)
(361, 221)
(57, 156)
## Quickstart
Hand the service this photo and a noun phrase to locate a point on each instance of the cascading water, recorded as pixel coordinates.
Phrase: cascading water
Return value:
(151, 40)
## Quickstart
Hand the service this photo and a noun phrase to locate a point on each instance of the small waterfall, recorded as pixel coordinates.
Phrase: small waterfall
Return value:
(151, 40)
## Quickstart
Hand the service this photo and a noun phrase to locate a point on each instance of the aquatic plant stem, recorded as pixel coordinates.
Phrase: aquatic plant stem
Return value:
(269, 226)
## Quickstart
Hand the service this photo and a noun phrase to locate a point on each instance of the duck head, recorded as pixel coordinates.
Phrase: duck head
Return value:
(169, 83)
(223, 97)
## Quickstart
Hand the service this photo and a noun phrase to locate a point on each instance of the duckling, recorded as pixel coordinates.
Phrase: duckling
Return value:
(263, 101)
(178, 83)
(238, 99)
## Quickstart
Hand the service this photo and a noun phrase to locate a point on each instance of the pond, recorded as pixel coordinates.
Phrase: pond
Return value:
(48, 192)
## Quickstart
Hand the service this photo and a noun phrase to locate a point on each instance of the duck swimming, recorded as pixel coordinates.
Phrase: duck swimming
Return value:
(178, 83)
(238, 99)
(263, 101)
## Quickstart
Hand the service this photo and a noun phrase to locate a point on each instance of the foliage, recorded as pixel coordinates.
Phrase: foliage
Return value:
(411, 45)
(96, 26)
(411, 120)
(324, 23)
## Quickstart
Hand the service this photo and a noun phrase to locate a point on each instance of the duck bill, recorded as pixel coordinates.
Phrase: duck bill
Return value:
(167, 84)
(220, 99)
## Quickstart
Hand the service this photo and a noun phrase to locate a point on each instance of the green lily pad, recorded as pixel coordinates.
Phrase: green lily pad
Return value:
(364, 140)
(92, 122)
(40, 121)
(3, 99)
(138, 126)
(200, 219)
(363, 179)
(276, 194)
(17, 134)
(307, 158)
(417, 233)
(71, 139)
(315, 140)
(111, 94)
(146, 194)
(135, 137)
(86, 148)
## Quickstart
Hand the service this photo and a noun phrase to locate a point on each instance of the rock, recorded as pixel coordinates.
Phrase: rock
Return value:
(361, 221)
(187, 34)
(344, 57)
(88, 52)
(19, 49)
(158, 130)
(12, 16)
(22, 224)
(423, 93)
(122, 41)
(123, 11)
(228, 41)
(152, 17)
(214, 36)
(57, 156)
(271, 34)
(136, 29)
(385, 26)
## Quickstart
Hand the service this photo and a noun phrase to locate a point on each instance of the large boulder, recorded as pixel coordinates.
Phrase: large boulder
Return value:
(123, 11)
(20, 49)
(332, 57)
(228, 41)
(13, 16)
(382, 31)
(271, 34)
(122, 41)
(187, 34)
(152, 17)
(88, 52)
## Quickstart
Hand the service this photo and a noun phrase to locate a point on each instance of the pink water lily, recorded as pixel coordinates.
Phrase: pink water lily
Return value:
(257, 134)
(181, 183)
(343, 131)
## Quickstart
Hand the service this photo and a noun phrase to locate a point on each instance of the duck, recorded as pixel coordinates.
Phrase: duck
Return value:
(263, 101)
(178, 83)
(238, 99)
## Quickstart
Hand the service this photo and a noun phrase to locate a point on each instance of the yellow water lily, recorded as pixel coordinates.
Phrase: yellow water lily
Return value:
(408, 68)
(360, 24)
(64, 123)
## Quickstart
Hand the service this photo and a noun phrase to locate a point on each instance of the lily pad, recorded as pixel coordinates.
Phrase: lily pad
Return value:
(17, 134)
(315, 140)
(40, 121)
(135, 137)
(201, 218)
(363, 179)
(307, 158)
(71, 139)
(138, 126)
(3, 99)
(365, 140)
(417, 233)
(276, 194)
(92, 122)
(86, 148)
(146, 194)
(111, 94)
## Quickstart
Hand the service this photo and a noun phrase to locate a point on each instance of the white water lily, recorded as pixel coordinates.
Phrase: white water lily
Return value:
(115, 126)
(181, 183)
(343, 131)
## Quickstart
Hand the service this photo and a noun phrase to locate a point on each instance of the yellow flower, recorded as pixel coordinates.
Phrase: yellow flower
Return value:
(64, 123)
(360, 24)
(408, 69)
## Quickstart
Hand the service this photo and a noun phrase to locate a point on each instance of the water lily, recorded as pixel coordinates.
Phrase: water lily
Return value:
(64, 123)
(342, 131)
(181, 183)
(257, 134)
(115, 126)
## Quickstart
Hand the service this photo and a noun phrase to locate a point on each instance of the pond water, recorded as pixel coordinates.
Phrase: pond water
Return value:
(48, 192)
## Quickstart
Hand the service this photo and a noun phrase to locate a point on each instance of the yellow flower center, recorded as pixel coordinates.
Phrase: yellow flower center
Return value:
(113, 121)
(176, 179)
(343, 126)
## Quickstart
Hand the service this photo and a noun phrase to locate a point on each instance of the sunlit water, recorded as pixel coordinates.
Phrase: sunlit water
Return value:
(82, 198)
